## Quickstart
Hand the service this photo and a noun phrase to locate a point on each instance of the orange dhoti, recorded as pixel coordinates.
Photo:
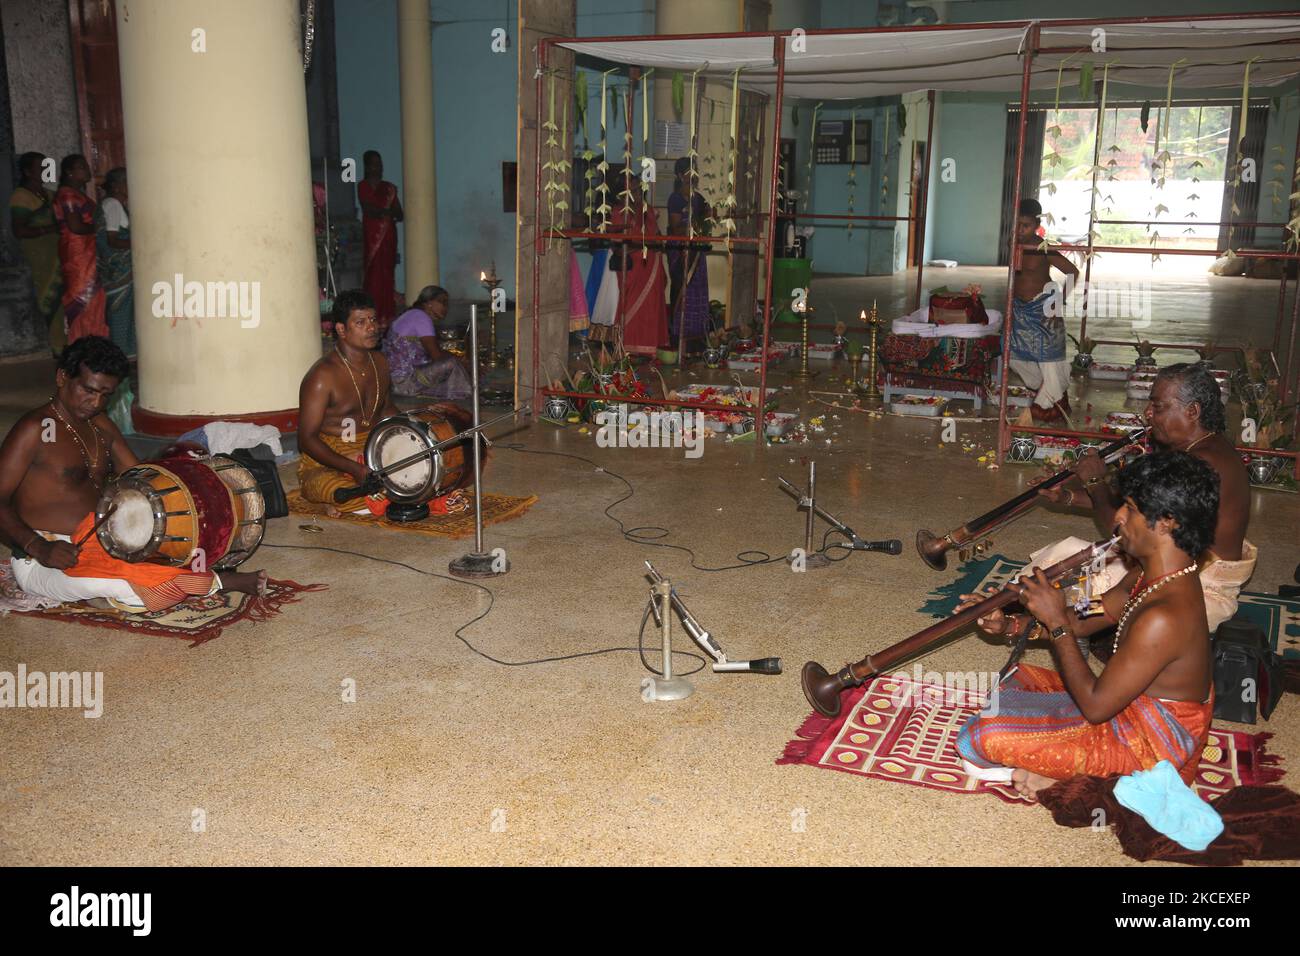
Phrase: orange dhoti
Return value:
(318, 482)
(1034, 724)
(97, 574)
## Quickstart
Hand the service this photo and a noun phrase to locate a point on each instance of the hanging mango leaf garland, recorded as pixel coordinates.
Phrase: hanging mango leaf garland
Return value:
(1054, 131)
(588, 175)
(811, 152)
(645, 152)
(603, 166)
(1093, 233)
(1195, 165)
(549, 167)
(626, 193)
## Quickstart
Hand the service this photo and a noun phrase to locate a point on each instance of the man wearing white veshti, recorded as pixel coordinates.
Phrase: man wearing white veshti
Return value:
(54, 464)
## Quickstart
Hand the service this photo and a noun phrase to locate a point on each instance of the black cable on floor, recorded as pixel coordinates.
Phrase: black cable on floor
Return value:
(640, 648)
(638, 535)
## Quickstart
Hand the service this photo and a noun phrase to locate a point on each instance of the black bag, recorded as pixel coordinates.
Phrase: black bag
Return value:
(1248, 676)
(260, 462)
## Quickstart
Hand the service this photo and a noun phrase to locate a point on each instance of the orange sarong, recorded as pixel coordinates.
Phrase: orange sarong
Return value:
(159, 586)
(1039, 728)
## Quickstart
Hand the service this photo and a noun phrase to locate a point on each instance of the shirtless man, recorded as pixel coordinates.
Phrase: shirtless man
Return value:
(342, 397)
(1154, 699)
(1185, 413)
(54, 464)
(1038, 339)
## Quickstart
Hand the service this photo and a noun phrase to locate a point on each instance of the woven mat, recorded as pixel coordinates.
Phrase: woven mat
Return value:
(496, 508)
(896, 728)
(197, 620)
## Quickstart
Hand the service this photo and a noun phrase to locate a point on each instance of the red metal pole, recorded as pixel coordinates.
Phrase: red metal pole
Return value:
(919, 224)
(1004, 426)
(542, 47)
(778, 52)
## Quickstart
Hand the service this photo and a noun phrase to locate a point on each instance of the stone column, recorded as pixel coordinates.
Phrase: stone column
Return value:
(549, 347)
(226, 304)
(419, 181)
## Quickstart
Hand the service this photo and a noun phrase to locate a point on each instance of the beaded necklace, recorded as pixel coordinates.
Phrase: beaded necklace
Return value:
(1139, 594)
(361, 402)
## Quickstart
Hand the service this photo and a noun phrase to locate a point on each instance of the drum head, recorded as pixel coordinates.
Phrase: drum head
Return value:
(250, 510)
(132, 525)
(398, 438)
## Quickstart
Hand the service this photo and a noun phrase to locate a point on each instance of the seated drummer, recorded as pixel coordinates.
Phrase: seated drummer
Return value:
(1154, 699)
(342, 397)
(54, 463)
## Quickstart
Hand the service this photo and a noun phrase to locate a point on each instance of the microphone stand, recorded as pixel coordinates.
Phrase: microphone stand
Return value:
(477, 564)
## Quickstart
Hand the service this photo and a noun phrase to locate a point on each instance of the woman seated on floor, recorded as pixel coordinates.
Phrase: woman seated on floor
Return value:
(418, 363)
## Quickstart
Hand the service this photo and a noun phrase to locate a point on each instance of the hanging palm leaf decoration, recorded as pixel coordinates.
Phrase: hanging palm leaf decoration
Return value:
(602, 168)
(679, 94)
(645, 152)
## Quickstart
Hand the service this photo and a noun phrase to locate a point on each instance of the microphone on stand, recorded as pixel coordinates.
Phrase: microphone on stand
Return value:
(893, 546)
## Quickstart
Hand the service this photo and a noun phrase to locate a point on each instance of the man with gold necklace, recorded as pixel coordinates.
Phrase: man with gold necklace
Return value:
(54, 464)
(1185, 413)
(342, 397)
(1154, 699)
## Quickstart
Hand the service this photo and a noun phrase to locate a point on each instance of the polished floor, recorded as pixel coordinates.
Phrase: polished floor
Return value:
(448, 757)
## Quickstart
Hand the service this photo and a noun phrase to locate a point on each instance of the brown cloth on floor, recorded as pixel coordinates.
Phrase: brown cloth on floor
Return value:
(1259, 822)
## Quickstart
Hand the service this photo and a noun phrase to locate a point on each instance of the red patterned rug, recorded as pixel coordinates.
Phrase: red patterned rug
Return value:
(894, 728)
(197, 620)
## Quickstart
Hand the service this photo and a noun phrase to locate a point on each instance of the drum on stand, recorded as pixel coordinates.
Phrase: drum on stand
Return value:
(168, 511)
(440, 472)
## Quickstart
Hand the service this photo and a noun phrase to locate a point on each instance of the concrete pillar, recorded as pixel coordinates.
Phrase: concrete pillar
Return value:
(220, 179)
(539, 19)
(419, 182)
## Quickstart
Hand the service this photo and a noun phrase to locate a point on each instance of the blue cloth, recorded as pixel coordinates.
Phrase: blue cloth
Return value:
(599, 266)
(1161, 798)
(1035, 336)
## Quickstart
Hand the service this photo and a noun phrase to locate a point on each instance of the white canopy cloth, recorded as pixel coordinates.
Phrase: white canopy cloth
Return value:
(974, 57)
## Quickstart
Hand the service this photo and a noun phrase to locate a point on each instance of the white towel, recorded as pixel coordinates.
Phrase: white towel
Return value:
(225, 437)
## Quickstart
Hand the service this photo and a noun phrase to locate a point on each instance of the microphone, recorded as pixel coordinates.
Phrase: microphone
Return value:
(367, 487)
(885, 547)
(764, 665)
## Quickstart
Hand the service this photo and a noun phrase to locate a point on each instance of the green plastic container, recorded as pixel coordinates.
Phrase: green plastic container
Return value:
(787, 275)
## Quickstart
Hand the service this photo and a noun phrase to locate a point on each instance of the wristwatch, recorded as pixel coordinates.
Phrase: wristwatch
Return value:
(1061, 631)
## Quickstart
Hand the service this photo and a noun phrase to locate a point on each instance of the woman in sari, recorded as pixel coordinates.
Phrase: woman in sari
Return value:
(31, 212)
(83, 296)
(380, 213)
(688, 269)
(645, 326)
(416, 362)
(113, 244)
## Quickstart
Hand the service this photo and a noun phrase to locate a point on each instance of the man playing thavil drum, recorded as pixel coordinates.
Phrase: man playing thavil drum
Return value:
(54, 464)
(1154, 699)
(342, 397)
(1185, 413)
